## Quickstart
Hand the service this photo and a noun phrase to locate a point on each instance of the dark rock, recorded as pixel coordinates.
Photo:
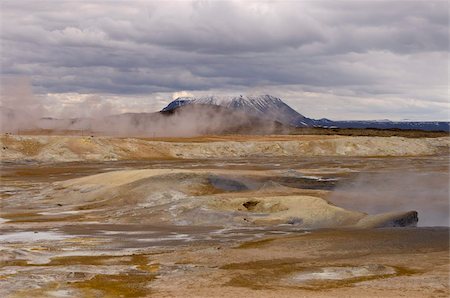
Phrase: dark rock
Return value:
(295, 221)
(250, 205)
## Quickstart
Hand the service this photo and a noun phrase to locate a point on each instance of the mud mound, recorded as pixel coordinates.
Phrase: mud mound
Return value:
(304, 211)
(202, 197)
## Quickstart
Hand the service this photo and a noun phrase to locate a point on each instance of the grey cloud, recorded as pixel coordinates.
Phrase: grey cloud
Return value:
(367, 49)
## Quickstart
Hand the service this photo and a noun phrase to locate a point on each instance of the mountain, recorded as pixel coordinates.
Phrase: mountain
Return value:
(274, 109)
(263, 106)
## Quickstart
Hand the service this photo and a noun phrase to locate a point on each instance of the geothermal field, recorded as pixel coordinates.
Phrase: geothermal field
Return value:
(224, 216)
(204, 148)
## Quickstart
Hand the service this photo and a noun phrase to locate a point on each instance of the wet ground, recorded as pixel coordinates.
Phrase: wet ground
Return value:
(61, 250)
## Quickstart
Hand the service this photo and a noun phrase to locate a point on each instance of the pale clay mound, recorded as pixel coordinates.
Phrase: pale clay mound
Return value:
(76, 148)
(160, 195)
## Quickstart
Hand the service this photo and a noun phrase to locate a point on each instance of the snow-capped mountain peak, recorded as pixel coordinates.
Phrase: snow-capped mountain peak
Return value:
(265, 106)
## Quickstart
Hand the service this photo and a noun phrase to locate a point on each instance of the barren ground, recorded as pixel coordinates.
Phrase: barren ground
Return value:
(224, 216)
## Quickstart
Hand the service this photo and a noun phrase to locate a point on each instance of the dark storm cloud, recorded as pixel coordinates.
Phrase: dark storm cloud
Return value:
(365, 48)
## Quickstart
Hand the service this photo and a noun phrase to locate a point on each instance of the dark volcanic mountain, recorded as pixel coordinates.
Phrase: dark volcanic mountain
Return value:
(264, 106)
(274, 109)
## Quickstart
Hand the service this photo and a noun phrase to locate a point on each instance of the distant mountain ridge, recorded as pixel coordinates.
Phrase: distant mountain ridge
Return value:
(274, 109)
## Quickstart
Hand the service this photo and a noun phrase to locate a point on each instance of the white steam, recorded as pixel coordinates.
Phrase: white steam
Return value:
(19, 108)
(21, 111)
(425, 192)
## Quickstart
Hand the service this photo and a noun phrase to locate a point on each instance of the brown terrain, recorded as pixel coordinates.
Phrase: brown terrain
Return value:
(224, 216)
(79, 148)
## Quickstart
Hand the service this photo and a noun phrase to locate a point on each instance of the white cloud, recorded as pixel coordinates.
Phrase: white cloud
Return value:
(181, 94)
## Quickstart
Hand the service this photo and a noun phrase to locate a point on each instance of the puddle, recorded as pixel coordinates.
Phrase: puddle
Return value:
(341, 273)
(31, 236)
(61, 212)
(227, 184)
(288, 179)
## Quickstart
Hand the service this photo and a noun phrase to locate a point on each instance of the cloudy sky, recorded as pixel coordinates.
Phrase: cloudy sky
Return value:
(334, 59)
